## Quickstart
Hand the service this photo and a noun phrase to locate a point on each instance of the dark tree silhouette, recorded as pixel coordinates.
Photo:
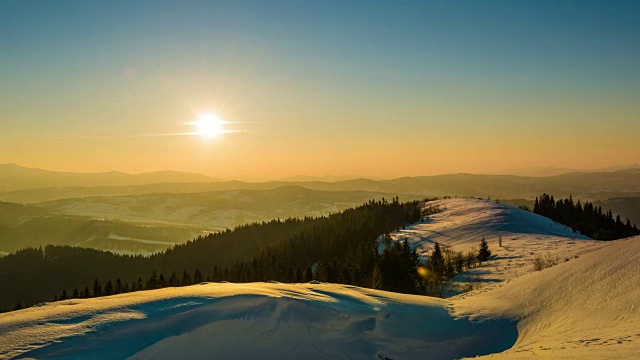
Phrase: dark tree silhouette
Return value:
(341, 248)
(97, 288)
(483, 251)
(587, 219)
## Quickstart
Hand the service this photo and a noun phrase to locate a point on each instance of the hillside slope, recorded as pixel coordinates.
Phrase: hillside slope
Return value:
(587, 308)
(584, 308)
(250, 321)
(24, 226)
(461, 224)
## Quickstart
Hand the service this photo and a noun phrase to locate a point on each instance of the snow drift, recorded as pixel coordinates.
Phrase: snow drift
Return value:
(256, 320)
(586, 308)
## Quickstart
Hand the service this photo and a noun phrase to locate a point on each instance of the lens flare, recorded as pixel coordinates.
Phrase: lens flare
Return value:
(209, 125)
(423, 271)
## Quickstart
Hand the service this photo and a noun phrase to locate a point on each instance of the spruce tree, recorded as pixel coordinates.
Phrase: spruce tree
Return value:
(186, 279)
(108, 288)
(197, 276)
(152, 283)
(97, 288)
(173, 279)
(484, 252)
(437, 260)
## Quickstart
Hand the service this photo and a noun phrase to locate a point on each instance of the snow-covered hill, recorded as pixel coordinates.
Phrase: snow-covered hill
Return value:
(250, 321)
(462, 222)
(587, 306)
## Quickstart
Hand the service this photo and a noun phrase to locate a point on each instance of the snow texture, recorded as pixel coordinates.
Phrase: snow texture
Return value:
(461, 223)
(255, 320)
(587, 306)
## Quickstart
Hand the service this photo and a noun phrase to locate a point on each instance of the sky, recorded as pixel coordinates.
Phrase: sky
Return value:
(348, 88)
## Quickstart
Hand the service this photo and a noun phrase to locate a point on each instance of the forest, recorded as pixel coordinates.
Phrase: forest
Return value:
(350, 247)
(338, 247)
(585, 218)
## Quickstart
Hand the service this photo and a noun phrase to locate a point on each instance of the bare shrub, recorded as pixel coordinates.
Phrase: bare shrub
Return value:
(541, 263)
(472, 283)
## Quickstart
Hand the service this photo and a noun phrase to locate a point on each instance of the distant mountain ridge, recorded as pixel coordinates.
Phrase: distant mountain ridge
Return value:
(42, 185)
(540, 171)
(15, 177)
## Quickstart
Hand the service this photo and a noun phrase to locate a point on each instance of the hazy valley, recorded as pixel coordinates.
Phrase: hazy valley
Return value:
(143, 219)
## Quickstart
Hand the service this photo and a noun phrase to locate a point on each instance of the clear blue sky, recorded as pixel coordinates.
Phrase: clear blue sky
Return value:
(466, 82)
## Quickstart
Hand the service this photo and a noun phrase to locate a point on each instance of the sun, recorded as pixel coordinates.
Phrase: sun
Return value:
(209, 125)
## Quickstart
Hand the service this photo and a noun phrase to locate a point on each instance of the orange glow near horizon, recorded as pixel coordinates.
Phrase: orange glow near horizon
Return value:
(415, 98)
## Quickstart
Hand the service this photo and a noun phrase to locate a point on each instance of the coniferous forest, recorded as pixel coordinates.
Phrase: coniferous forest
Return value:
(342, 247)
(585, 218)
(351, 247)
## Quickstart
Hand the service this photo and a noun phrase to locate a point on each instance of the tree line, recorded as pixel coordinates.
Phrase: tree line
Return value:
(585, 218)
(397, 268)
(340, 248)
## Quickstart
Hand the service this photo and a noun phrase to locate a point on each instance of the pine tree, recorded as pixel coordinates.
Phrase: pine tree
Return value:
(97, 288)
(587, 219)
(437, 260)
(152, 283)
(186, 279)
(484, 252)
(173, 279)
(197, 276)
(108, 288)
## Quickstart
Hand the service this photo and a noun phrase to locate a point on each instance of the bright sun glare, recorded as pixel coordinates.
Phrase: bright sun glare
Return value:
(209, 125)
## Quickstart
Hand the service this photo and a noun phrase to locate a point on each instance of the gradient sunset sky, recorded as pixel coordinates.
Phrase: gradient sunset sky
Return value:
(369, 88)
